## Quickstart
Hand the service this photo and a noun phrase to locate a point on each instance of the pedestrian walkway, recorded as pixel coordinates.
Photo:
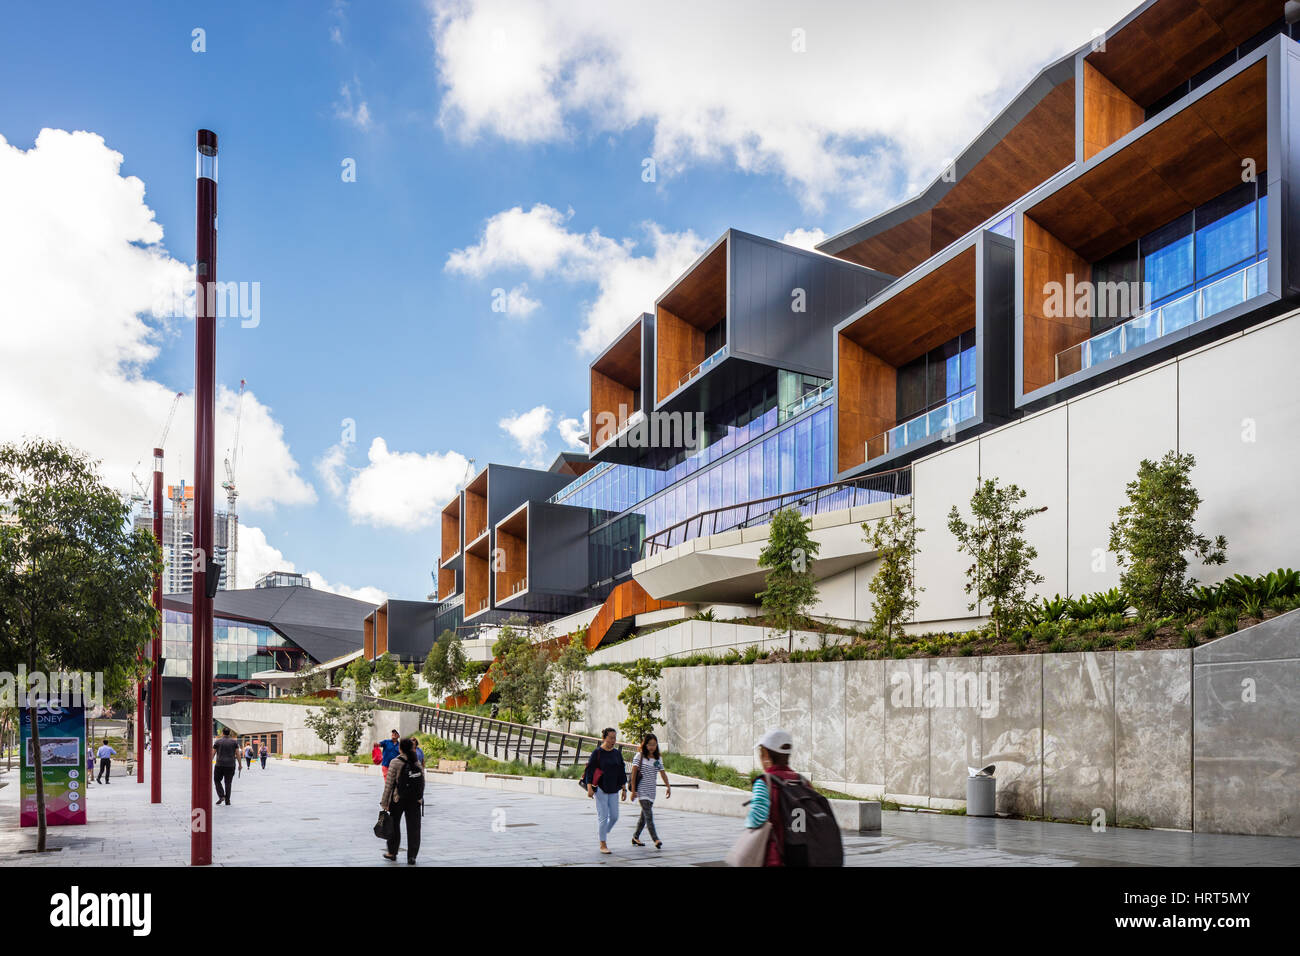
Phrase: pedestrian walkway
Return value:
(315, 815)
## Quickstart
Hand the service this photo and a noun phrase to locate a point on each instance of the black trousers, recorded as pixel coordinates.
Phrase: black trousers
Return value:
(224, 778)
(412, 813)
(647, 819)
(105, 769)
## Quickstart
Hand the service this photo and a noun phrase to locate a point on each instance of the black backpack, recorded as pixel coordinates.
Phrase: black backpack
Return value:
(811, 835)
(410, 782)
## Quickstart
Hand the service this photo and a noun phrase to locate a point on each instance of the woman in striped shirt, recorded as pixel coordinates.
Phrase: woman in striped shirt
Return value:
(645, 766)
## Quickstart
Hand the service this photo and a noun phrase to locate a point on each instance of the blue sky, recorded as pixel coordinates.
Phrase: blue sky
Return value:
(376, 295)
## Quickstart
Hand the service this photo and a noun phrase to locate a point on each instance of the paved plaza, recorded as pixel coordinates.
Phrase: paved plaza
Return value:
(316, 815)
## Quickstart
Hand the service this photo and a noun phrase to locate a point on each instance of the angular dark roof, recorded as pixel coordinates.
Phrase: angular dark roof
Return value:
(324, 625)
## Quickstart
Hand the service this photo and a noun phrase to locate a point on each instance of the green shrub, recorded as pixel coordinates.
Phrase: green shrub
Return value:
(1148, 630)
(1115, 622)
(1208, 630)
(1189, 637)
(1128, 643)
(1057, 646)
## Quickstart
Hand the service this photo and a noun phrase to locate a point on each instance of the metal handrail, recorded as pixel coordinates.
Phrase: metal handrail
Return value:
(894, 483)
(484, 732)
(709, 362)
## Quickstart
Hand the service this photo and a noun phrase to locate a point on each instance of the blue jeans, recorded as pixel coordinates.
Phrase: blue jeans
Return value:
(606, 812)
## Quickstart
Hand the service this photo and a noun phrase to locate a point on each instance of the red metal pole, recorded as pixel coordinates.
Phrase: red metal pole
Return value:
(205, 357)
(155, 679)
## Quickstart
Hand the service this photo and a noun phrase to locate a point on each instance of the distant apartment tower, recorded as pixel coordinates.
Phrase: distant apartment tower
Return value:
(283, 579)
(178, 541)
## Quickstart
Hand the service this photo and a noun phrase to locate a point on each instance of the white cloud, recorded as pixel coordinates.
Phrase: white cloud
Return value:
(867, 113)
(351, 107)
(804, 238)
(257, 556)
(528, 429)
(571, 430)
(81, 263)
(516, 301)
(405, 490)
(367, 593)
(540, 242)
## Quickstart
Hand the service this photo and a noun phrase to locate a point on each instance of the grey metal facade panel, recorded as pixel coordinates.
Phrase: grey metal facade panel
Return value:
(557, 548)
(411, 628)
(1281, 54)
(762, 325)
(647, 362)
(995, 329)
(510, 486)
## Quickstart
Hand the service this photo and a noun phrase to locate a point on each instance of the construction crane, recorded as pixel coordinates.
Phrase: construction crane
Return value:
(139, 494)
(232, 519)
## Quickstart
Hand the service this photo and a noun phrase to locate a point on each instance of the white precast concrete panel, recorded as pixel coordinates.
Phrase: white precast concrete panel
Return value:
(1239, 414)
(938, 483)
(1110, 432)
(1032, 454)
(837, 597)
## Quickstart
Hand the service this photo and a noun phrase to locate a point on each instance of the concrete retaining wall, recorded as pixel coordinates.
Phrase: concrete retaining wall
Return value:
(1075, 736)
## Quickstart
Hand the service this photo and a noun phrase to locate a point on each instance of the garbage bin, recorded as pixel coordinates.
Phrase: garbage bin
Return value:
(981, 793)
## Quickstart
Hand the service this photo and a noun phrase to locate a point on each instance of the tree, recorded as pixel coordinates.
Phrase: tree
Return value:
(641, 696)
(894, 585)
(361, 672)
(443, 666)
(1154, 532)
(791, 589)
(1001, 571)
(327, 724)
(304, 685)
(406, 679)
(471, 673)
(75, 580)
(521, 673)
(386, 673)
(354, 718)
(569, 665)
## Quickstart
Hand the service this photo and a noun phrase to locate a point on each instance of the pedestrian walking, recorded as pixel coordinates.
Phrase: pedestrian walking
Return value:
(419, 751)
(390, 748)
(781, 796)
(606, 781)
(403, 795)
(647, 767)
(106, 754)
(263, 755)
(225, 753)
(248, 756)
(90, 764)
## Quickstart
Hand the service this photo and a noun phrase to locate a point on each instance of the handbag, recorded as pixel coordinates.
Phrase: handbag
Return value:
(381, 825)
(751, 848)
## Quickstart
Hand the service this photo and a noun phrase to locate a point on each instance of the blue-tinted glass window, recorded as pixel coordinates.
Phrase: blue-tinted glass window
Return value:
(822, 447)
(1167, 259)
(968, 368)
(803, 453)
(1263, 222)
(771, 468)
(786, 440)
(1225, 231)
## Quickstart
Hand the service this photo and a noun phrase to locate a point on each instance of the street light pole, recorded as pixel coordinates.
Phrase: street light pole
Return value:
(155, 679)
(205, 357)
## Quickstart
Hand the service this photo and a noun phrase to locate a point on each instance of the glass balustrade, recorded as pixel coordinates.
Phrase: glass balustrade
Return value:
(924, 426)
(708, 363)
(1200, 304)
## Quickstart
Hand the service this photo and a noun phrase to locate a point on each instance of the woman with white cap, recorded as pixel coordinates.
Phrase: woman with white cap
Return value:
(774, 750)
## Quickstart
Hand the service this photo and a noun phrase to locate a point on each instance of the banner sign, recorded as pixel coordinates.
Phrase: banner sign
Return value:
(63, 764)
